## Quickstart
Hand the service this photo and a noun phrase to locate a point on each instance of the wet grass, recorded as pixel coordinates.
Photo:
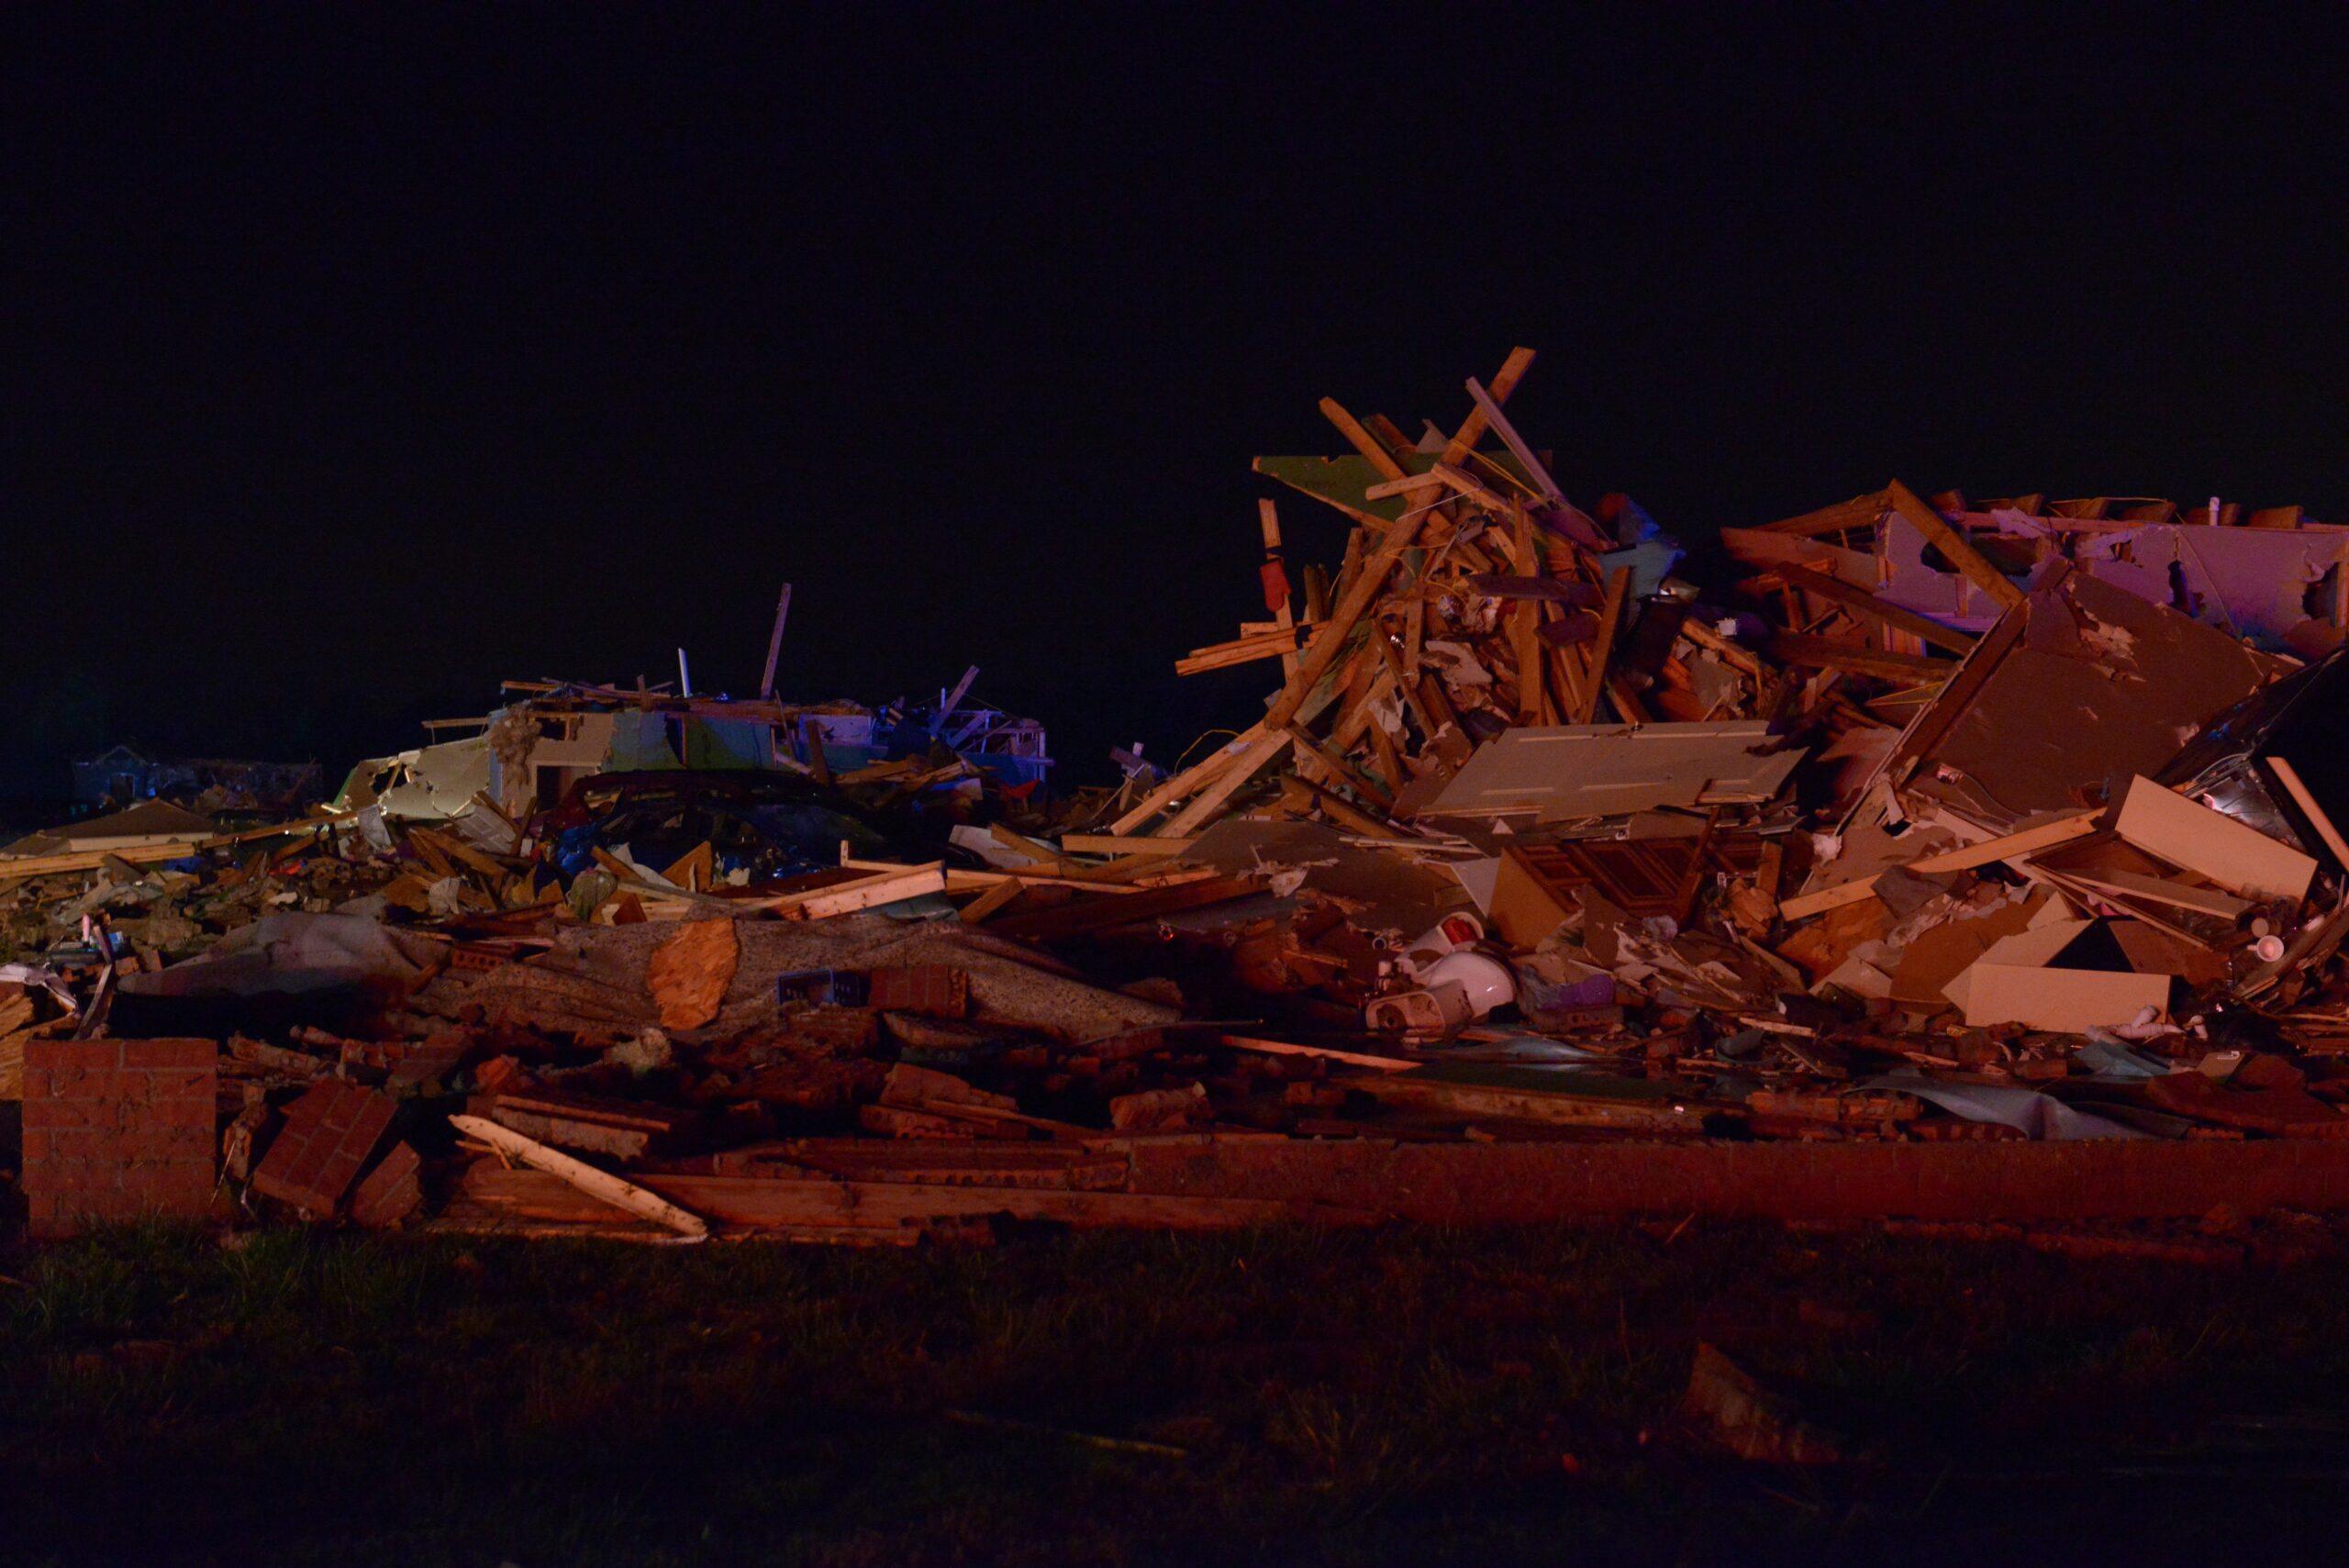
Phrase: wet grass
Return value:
(1412, 1395)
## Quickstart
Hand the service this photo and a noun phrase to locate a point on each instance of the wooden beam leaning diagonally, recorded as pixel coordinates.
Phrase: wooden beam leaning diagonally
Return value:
(1472, 428)
(601, 1186)
(1602, 648)
(1826, 652)
(1251, 762)
(1965, 857)
(1859, 512)
(1860, 600)
(1190, 779)
(1953, 546)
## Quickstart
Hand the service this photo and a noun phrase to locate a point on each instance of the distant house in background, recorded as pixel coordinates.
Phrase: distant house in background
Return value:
(213, 785)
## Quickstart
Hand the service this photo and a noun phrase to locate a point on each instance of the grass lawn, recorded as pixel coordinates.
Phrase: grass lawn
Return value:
(1409, 1396)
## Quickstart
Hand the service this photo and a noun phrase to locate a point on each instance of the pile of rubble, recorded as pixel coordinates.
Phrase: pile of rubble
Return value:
(1952, 821)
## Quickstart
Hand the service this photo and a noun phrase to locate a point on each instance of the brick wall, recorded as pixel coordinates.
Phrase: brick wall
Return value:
(117, 1130)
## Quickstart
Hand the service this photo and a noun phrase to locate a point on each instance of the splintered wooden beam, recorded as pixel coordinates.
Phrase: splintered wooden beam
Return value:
(1361, 439)
(1602, 649)
(1330, 640)
(1404, 486)
(1953, 546)
(1268, 523)
(1121, 844)
(1468, 487)
(1309, 796)
(979, 909)
(2046, 835)
(1859, 512)
(1472, 428)
(1343, 771)
(601, 1186)
(1279, 644)
(1489, 406)
(1247, 766)
(774, 642)
(1192, 778)
(1524, 621)
(1836, 591)
(1825, 654)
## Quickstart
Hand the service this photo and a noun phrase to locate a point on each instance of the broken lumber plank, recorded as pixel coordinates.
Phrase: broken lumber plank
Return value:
(1472, 428)
(1280, 643)
(882, 887)
(2010, 846)
(1361, 439)
(1859, 512)
(1127, 907)
(1327, 1053)
(1189, 780)
(607, 1190)
(1388, 489)
(1836, 591)
(1123, 844)
(1344, 812)
(1277, 592)
(1468, 487)
(1342, 769)
(2290, 777)
(979, 909)
(1827, 653)
(1602, 648)
(1953, 546)
(1508, 1101)
(1524, 619)
(1250, 763)
(2153, 889)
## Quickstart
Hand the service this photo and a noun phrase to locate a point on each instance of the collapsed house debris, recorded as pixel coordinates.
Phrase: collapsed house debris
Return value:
(1547, 881)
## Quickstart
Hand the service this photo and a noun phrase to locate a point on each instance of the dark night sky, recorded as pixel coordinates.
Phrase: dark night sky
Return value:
(356, 358)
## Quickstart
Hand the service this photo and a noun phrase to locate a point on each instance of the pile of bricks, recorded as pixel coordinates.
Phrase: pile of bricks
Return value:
(117, 1130)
